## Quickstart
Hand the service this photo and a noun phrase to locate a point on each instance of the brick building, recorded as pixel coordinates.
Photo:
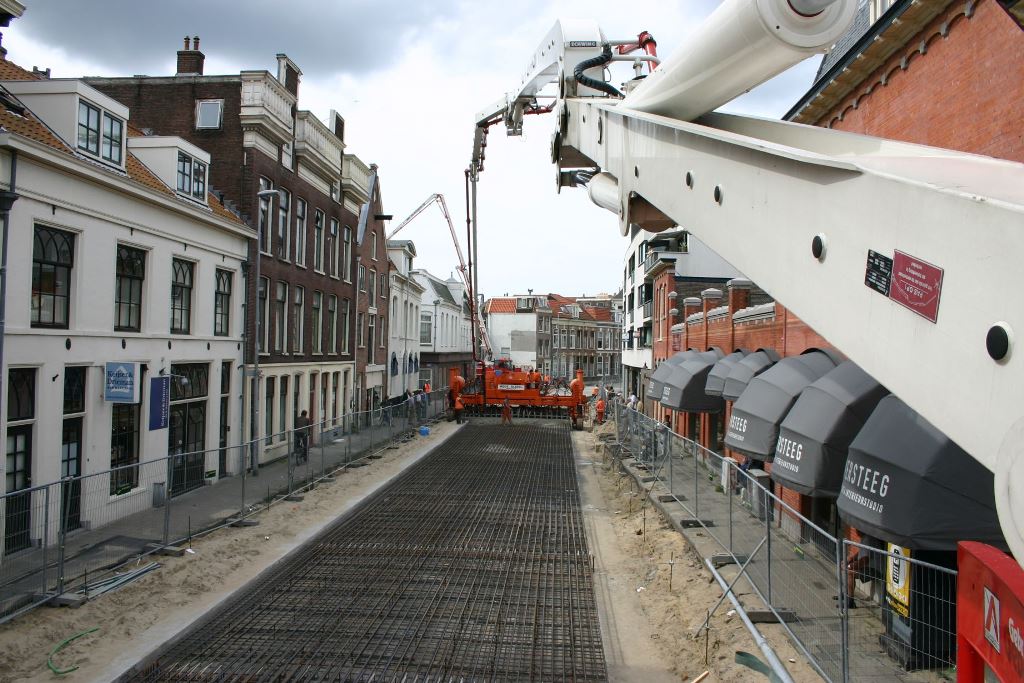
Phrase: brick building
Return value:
(323, 264)
(945, 74)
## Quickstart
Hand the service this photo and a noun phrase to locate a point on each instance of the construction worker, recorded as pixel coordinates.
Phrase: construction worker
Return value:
(458, 410)
(600, 411)
(506, 412)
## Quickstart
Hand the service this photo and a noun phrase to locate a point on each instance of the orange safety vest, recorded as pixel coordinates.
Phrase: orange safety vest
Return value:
(600, 405)
(458, 403)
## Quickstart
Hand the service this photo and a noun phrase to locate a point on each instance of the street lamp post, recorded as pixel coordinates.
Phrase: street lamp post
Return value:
(261, 226)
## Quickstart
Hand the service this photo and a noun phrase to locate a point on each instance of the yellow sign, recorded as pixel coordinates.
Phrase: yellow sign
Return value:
(897, 580)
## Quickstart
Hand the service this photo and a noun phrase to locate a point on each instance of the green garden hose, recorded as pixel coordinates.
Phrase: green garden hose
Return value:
(60, 646)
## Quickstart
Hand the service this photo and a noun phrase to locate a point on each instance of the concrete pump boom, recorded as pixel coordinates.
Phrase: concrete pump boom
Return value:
(797, 209)
(463, 270)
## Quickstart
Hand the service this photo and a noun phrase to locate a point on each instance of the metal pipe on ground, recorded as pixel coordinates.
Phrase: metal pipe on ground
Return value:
(766, 649)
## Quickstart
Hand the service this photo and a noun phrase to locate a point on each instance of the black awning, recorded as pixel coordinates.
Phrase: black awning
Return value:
(720, 370)
(745, 370)
(757, 413)
(656, 383)
(815, 435)
(684, 389)
(907, 483)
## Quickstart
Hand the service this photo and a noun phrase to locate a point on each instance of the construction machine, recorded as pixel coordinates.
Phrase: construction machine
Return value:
(478, 321)
(803, 211)
(528, 392)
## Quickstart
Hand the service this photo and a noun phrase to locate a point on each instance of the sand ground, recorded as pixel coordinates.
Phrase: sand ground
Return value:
(648, 626)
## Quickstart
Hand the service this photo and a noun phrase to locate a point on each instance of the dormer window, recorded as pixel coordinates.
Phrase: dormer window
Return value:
(191, 177)
(99, 133)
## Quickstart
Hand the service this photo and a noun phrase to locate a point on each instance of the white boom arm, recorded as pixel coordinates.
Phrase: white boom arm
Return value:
(764, 194)
(463, 270)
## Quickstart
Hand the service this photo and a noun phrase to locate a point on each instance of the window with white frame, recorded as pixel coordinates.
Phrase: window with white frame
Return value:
(209, 114)
(191, 177)
(284, 206)
(318, 322)
(383, 286)
(359, 329)
(346, 306)
(222, 303)
(100, 133)
(362, 278)
(346, 255)
(372, 322)
(181, 296)
(425, 328)
(318, 241)
(332, 324)
(300, 232)
(298, 317)
(373, 243)
(129, 276)
(372, 282)
(280, 318)
(53, 258)
(263, 217)
(262, 303)
(332, 248)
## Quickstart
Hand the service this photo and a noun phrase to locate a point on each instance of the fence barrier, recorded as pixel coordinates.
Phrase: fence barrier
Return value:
(63, 537)
(857, 612)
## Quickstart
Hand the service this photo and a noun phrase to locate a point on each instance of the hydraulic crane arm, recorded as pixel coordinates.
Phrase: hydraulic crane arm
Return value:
(463, 270)
(803, 210)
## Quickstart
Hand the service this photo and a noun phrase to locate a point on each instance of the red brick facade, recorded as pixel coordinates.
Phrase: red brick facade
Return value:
(963, 91)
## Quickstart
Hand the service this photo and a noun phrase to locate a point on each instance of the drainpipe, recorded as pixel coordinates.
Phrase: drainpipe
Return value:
(7, 199)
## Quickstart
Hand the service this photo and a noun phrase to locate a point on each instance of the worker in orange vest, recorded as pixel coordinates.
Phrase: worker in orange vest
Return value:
(458, 409)
(600, 411)
(506, 412)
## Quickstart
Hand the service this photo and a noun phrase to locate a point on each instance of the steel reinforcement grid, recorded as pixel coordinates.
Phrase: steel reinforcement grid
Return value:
(470, 566)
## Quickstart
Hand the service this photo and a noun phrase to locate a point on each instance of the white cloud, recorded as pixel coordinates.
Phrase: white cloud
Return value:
(409, 93)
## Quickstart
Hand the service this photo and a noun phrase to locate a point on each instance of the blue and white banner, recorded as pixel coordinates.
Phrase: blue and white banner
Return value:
(121, 383)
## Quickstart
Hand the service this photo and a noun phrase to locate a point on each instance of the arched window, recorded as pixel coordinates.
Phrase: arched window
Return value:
(52, 261)
(394, 364)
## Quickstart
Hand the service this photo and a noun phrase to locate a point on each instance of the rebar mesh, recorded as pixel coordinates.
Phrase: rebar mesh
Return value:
(473, 565)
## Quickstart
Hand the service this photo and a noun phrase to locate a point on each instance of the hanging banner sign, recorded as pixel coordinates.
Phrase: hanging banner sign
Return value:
(159, 402)
(121, 383)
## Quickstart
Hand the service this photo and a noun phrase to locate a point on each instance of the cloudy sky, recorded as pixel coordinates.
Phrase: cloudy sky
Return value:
(408, 78)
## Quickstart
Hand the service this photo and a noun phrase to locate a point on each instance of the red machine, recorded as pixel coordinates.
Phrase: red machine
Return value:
(526, 390)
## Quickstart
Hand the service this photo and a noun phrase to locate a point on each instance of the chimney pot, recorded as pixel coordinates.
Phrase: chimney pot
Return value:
(195, 42)
(188, 45)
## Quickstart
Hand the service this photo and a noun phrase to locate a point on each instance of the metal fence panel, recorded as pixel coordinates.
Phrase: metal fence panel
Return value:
(63, 536)
(902, 611)
(798, 568)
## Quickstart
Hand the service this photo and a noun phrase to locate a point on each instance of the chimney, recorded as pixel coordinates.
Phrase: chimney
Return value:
(739, 298)
(337, 126)
(288, 74)
(739, 294)
(691, 305)
(190, 59)
(712, 298)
